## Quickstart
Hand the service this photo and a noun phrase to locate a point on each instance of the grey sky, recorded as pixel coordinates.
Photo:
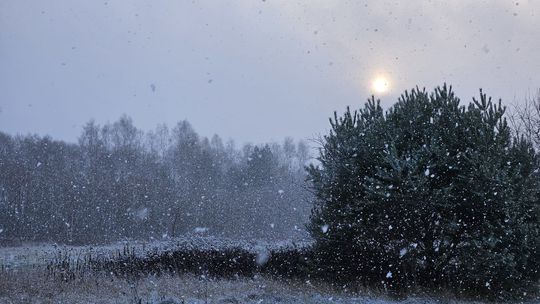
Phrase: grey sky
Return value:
(250, 70)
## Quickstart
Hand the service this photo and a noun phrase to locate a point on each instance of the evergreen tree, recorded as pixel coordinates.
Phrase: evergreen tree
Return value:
(430, 193)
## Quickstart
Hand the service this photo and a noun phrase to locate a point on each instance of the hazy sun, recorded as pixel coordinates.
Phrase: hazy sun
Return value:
(380, 85)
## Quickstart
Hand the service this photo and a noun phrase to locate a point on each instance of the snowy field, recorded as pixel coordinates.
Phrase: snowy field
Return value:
(183, 289)
(24, 279)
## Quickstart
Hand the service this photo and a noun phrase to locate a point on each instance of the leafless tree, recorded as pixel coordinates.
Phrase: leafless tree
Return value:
(525, 119)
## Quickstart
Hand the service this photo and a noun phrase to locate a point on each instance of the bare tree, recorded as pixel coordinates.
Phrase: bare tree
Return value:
(525, 119)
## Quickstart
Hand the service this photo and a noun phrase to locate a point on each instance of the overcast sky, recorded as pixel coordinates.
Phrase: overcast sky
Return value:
(253, 71)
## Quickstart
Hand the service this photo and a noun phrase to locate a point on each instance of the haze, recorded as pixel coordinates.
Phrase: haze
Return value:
(253, 71)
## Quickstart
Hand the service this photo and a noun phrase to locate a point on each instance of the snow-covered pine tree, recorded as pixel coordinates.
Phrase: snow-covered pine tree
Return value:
(430, 193)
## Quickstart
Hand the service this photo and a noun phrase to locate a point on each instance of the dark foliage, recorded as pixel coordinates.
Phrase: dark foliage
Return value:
(429, 193)
(231, 262)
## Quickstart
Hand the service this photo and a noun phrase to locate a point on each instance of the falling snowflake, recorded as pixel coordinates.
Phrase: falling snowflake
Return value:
(142, 214)
(403, 252)
(325, 228)
(201, 229)
(262, 256)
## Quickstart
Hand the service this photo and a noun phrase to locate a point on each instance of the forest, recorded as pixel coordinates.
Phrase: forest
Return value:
(120, 183)
(433, 194)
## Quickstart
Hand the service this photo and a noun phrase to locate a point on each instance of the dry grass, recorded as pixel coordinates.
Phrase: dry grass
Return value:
(45, 275)
(34, 286)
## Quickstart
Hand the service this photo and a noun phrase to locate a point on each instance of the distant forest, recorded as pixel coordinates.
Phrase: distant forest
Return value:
(119, 183)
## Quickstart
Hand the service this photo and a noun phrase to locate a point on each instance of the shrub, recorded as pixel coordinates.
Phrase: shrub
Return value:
(429, 193)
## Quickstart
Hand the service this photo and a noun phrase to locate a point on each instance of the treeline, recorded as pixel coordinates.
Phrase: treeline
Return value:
(121, 183)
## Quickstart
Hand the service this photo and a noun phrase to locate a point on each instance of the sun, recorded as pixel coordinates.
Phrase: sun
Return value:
(380, 85)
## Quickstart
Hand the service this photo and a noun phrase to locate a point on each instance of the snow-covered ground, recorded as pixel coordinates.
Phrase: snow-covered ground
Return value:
(182, 289)
(24, 279)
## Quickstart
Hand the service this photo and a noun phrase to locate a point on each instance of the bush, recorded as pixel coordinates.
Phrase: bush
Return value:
(429, 193)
